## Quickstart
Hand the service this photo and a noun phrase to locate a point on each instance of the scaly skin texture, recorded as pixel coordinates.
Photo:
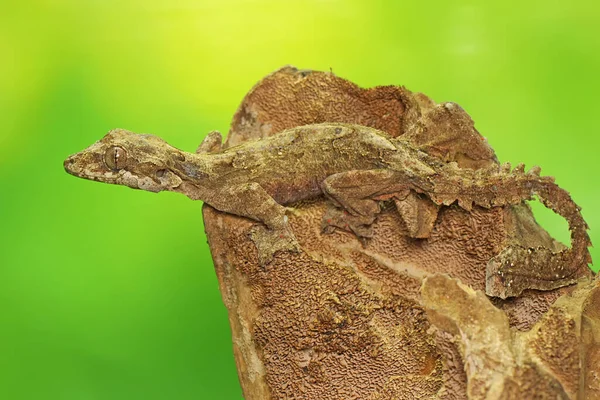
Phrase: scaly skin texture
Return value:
(356, 167)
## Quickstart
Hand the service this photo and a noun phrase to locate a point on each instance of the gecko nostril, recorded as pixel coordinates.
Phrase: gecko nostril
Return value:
(68, 164)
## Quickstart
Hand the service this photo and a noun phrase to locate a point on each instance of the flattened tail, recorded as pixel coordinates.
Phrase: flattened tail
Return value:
(518, 268)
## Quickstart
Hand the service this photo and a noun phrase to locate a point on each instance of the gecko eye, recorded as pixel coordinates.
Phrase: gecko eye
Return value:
(115, 158)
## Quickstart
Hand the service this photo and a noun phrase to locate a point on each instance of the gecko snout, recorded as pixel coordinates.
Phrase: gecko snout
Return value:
(70, 163)
(76, 164)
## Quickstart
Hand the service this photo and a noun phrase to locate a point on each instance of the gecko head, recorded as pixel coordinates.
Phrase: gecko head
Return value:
(125, 158)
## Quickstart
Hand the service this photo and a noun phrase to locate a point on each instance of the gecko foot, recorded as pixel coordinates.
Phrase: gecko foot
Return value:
(270, 241)
(337, 218)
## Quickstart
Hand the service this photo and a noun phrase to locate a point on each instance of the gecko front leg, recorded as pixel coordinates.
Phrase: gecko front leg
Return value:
(277, 236)
(252, 201)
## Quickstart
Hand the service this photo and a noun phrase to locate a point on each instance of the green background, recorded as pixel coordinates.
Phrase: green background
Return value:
(110, 293)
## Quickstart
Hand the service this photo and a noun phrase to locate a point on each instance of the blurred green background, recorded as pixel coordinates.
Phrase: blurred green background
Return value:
(110, 293)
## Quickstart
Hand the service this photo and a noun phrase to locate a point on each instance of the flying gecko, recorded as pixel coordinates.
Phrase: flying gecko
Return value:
(354, 166)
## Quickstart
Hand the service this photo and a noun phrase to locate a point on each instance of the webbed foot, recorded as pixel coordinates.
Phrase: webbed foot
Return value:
(335, 217)
(270, 241)
(419, 214)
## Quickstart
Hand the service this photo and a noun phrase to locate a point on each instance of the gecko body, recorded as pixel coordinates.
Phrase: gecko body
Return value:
(355, 167)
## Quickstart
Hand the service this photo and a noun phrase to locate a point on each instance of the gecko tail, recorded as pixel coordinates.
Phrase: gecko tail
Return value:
(517, 267)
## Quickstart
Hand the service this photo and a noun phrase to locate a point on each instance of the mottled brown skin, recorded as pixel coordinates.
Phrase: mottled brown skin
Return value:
(356, 167)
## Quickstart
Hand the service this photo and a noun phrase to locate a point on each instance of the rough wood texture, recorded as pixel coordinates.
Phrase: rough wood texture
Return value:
(344, 319)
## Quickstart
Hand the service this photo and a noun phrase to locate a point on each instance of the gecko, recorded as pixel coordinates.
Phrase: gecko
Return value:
(356, 167)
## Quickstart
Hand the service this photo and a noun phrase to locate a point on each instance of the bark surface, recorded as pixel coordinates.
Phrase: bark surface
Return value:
(387, 318)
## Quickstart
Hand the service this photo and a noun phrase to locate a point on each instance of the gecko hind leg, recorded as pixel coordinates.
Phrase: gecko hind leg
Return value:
(419, 214)
(357, 193)
(338, 218)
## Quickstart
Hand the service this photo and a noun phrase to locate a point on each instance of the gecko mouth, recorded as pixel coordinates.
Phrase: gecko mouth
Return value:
(81, 166)
(72, 166)
(69, 165)
(91, 166)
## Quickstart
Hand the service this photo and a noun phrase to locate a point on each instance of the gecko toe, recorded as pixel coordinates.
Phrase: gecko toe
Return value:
(335, 218)
(270, 241)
